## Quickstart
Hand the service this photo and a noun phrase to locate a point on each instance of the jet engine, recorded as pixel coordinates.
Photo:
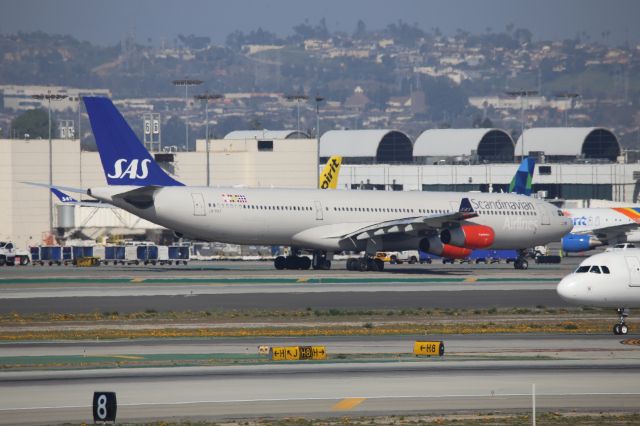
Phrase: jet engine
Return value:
(433, 245)
(469, 236)
(572, 243)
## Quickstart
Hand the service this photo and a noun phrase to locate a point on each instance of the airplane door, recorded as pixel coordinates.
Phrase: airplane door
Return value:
(544, 215)
(633, 265)
(198, 204)
(319, 211)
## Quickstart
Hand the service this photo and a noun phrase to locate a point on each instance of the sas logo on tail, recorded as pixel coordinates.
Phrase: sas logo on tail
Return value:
(131, 169)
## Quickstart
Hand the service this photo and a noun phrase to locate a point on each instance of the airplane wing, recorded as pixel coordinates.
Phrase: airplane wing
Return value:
(614, 233)
(413, 224)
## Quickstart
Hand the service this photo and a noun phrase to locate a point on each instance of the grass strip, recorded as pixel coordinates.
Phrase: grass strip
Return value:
(416, 314)
(366, 329)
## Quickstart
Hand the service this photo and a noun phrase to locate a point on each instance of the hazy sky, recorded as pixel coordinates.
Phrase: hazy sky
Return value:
(107, 21)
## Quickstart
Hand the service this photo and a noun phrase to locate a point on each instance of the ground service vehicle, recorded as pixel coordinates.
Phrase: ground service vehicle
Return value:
(10, 255)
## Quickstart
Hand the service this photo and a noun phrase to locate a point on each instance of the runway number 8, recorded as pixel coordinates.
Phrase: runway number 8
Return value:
(104, 407)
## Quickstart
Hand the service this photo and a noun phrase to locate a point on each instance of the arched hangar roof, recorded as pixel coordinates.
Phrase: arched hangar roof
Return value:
(489, 144)
(589, 142)
(383, 145)
(266, 134)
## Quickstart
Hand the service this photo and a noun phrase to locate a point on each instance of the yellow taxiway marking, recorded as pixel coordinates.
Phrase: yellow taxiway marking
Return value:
(348, 404)
(471, 280)
(137, 280)
(303, 280)
(118, 356)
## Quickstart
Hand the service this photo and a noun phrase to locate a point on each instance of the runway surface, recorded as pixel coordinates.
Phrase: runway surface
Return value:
(320, 390)
(254, 285)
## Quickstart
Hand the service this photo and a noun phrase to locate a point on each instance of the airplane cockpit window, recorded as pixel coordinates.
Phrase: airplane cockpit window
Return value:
(605, 269)
(582, 269)
(560, 213)
(595, 269)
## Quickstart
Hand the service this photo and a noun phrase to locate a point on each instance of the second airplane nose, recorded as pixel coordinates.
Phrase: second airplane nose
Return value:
(566, 289)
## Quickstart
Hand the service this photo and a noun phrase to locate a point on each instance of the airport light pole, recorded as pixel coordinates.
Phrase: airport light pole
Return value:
(318, 99)
(205, 98)
(50, 97)
(572, 98)
(186, 83)
(522, 94)
(297, 98)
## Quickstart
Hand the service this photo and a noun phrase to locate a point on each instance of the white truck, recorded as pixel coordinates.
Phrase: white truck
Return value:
(10, 255)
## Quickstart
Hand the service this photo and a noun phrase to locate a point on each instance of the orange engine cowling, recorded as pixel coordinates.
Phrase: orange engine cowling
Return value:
(433, 245)
(469, 236)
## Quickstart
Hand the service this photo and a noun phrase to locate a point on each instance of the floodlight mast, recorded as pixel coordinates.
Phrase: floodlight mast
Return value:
(522, 94)
(297, 98)
(205, 98)
(50, 97)
(318, 99)
(572, 97)
(186, 82)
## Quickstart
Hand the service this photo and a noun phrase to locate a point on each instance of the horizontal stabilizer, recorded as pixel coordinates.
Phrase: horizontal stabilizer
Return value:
(58, 187)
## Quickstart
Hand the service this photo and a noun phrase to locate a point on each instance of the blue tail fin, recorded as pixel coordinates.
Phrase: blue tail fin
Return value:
(521, 182)
(63, 197)
(465, 206)
(124, 159)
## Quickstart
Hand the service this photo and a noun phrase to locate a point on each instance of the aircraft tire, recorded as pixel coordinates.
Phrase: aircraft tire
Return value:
(362, 264)
(623, 329)
(379, 265)
(352, 264)
(304, 262)
(616, 329)
(280, 263)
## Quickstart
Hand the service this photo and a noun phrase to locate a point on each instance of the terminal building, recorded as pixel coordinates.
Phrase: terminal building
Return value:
(579, 166)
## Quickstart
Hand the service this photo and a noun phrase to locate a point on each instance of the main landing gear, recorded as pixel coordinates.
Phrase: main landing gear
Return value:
(521, 261)
(320, 260)
(366, 263)
(621, 328)
(292, 262)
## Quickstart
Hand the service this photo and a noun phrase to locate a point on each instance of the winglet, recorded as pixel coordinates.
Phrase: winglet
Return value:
(124, 159)
(521, 182)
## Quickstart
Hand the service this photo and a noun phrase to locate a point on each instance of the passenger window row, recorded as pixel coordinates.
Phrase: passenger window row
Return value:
(374, 209)
(263, 207)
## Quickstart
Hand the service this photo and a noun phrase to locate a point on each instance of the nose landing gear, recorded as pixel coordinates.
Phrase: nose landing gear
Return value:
(621, 328)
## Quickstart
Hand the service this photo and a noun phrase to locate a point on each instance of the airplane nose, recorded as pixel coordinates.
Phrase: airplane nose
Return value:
(567, 289)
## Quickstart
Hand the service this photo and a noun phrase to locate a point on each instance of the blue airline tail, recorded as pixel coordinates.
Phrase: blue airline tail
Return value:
(63, 197)
(124, 159)
(521, 182)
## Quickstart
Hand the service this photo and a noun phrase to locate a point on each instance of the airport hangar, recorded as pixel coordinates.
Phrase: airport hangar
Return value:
(583, 166)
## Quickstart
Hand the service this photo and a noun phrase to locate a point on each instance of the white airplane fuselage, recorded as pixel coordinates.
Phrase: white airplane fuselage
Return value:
(597, 219)
(317, 219)
(617, 288)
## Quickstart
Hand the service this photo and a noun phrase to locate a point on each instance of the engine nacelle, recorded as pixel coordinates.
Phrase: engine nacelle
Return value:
(433, 245)
(572, 243)
(469, 236)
